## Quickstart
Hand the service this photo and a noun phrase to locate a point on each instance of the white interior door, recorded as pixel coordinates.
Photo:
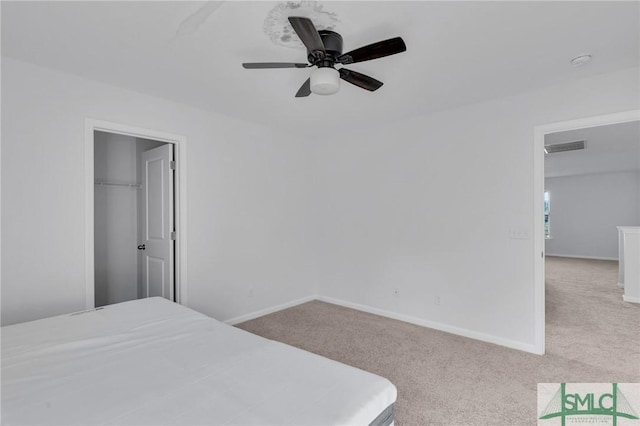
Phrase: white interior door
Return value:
(157, 247)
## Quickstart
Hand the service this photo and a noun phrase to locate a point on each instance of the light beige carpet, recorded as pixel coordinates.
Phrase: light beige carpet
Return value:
(443, 379)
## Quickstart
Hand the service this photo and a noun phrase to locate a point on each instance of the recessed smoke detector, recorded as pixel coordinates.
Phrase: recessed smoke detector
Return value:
(581, 60)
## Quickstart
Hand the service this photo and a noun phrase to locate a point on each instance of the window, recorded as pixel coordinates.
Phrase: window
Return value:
(547, 209)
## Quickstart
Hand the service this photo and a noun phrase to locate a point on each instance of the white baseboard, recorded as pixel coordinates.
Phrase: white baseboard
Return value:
(393, 315)
(435, 325)
(580, 257)
(270, 310)
(630, 299)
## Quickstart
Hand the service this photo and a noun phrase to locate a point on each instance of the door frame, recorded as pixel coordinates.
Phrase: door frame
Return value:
(180, 201)
(538, 204)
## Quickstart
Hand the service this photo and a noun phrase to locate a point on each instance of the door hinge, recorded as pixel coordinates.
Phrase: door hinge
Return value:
(173, 235)
(172, 165)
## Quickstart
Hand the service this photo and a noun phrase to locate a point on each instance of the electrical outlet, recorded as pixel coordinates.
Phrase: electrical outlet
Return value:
(396, 292)
(437, 301)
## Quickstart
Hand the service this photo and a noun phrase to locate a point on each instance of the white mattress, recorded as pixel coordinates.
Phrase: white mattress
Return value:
(151, 362)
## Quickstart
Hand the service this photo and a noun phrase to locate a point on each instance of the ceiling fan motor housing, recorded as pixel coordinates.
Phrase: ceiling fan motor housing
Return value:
(333, 48)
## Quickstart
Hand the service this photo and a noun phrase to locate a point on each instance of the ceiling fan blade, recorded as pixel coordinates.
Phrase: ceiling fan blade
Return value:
(265, 65)
(360, 80)
(305, 89)
(307, 33)
(373, 51)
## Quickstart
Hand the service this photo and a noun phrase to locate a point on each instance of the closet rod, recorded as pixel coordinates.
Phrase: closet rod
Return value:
(105, 183)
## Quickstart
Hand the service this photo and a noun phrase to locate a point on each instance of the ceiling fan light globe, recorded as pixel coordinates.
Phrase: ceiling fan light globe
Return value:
(325, 81)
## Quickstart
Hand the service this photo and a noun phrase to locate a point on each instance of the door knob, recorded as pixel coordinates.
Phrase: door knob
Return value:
(141, 247)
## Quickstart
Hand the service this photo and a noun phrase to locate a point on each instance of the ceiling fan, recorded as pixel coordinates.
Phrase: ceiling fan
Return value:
(324, 49)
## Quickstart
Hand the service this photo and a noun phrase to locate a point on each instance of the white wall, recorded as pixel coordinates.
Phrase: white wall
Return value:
(426, 205)
(247, 212)
(585, 210)
(115, 219)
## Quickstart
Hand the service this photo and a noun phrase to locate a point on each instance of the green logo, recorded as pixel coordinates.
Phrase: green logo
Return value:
(613, 404)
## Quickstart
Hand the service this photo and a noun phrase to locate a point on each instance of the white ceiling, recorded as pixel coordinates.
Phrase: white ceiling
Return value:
(458, 52)
(611, 148)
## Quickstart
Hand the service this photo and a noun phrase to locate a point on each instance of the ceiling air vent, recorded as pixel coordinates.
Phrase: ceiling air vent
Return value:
(565, 146)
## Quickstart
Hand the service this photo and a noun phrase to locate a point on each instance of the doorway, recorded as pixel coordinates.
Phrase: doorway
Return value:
(135, 214)
(133, 218)
(591, 181)
(540, 133)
